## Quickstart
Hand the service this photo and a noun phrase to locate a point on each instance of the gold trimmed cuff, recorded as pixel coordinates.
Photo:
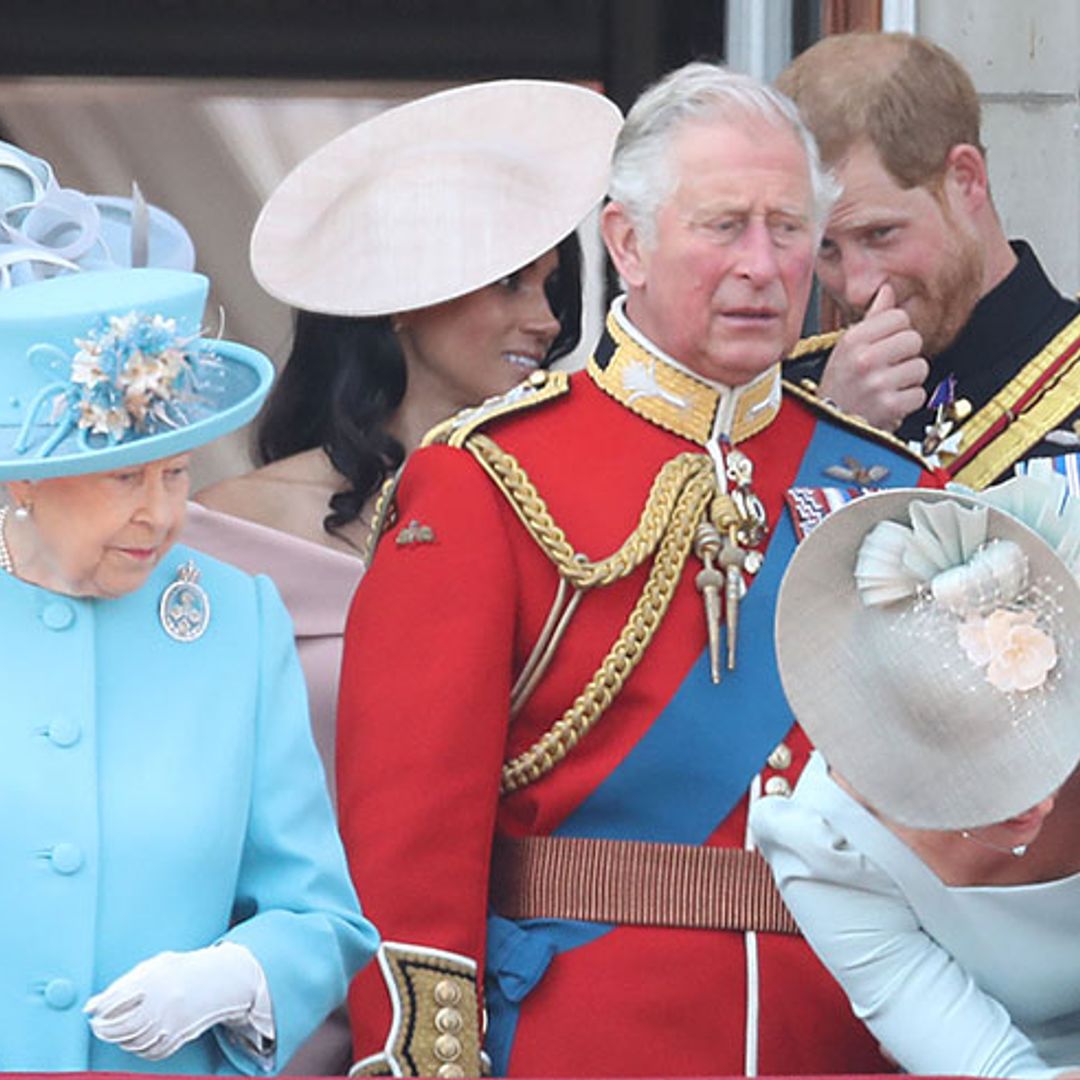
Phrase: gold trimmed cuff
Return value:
(435, 1029)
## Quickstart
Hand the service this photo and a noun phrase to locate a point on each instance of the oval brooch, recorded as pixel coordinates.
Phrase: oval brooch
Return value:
(185, 608)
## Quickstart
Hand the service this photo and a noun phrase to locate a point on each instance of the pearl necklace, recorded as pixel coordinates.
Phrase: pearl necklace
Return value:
(7, 564)
(1016, 852)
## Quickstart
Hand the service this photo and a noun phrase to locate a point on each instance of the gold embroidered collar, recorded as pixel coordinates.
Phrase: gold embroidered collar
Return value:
(659, 389)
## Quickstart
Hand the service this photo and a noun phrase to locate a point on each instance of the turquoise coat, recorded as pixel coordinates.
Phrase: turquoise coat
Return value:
(158, 795)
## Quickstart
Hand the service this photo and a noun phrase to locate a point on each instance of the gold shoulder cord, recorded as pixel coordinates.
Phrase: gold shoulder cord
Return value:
(683, 492)
(816, 343)
(383, 515)
(850, 420)
(539, 388)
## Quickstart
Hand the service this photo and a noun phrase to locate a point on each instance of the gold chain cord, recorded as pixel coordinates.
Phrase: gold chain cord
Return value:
(581, 572)
(680, 496)
(381, 515)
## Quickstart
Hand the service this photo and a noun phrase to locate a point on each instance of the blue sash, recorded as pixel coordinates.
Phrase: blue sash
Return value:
(696, 761)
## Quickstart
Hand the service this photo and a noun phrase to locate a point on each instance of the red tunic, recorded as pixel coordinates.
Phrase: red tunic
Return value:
(436, 636)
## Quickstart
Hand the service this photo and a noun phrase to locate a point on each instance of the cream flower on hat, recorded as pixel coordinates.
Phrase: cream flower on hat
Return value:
(1015, 652)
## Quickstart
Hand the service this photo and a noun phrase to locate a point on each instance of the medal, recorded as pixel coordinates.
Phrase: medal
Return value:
(949, 413)
(185, 608)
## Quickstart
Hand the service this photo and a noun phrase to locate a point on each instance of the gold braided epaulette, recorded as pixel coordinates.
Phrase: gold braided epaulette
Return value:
(855, 423)
(814, 344)
(539, 388)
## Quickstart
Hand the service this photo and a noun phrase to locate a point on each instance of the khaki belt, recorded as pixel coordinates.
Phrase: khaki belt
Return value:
(632, 882)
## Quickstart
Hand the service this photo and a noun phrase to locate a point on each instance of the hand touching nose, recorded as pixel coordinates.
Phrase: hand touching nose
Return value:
(876, 369)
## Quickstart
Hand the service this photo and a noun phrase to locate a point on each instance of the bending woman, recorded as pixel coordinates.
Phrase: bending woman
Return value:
(922, 852)
(175, 890)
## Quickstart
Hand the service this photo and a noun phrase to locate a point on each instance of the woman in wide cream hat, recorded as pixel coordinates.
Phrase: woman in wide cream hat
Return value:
(174, 895)
(431, 256)
(919, 853)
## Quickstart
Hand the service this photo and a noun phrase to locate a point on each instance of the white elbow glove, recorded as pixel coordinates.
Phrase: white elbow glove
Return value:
(172, 998)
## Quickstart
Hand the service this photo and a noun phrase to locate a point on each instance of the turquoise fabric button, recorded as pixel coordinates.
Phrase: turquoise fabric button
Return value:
(64, 731)
(57, 615)
(59, 993)
(66, 858)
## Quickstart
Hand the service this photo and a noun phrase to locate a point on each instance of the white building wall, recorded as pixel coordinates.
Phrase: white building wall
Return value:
(1024, 56)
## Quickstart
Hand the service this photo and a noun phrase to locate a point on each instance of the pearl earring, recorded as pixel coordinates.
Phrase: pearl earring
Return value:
(22, 512)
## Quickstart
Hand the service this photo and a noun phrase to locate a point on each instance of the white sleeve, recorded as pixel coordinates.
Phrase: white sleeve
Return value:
(923, 1007)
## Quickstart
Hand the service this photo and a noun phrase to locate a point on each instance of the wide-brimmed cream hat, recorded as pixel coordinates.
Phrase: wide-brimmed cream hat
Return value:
(435, 198)
(935, 660)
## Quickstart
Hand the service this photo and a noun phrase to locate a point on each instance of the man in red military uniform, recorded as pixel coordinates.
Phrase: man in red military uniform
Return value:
(559, 692)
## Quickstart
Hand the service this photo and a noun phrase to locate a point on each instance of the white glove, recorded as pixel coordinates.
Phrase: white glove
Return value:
(172, 998)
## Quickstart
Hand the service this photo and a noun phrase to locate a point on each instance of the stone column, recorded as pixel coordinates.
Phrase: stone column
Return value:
(1025, 61)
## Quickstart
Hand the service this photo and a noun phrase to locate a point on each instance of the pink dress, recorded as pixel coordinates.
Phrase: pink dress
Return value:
(316, 583)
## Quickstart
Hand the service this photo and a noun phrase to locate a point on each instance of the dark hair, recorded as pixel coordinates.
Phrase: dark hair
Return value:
(345, 377)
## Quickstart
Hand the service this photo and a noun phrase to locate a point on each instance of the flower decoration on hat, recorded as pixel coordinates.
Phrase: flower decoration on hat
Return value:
(132, 375)
(946, 557)
(1017, 654)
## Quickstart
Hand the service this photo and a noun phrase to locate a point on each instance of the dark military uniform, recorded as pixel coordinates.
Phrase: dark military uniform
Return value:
(1016, 363)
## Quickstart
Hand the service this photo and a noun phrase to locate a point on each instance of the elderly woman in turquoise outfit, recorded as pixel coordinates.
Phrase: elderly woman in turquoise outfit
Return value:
(174, 895)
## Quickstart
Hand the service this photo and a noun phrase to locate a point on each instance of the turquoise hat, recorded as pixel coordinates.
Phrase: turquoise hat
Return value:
(103, 361)
(101, 370)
